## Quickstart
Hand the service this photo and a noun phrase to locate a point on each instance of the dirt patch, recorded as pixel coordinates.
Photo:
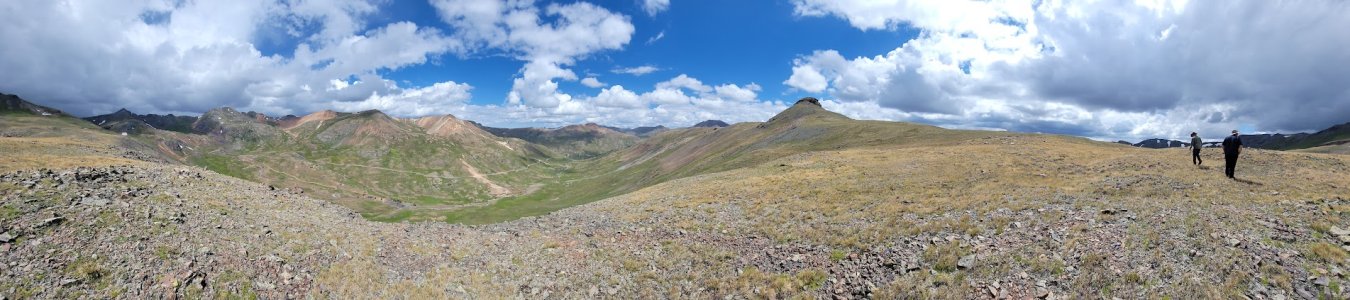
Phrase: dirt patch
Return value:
(493, 189)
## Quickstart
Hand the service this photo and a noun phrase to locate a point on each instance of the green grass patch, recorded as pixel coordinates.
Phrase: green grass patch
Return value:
(8, 213)
(224, 165)
(837, 255)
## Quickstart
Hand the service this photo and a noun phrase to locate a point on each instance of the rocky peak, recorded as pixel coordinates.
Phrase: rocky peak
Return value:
(808, 100)
(123, 113)
(806, 107)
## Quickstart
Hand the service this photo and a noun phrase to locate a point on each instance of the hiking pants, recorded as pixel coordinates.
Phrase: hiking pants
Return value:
(1230, 162)
(1195, 156)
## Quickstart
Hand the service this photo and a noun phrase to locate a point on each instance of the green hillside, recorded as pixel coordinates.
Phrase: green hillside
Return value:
(804, 127)
(387, 168)
(574, 141)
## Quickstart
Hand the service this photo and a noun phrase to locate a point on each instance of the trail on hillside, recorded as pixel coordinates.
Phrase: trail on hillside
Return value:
(493, 189)
(428, 175)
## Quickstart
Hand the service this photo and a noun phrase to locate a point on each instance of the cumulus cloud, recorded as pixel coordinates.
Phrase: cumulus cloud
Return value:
(732, 92)
(519, 27)
(188, 57)
(679, 101)
(413, 102)
(636, 71)
(653, 7)
(617, 96)
(1107, 69)
(592, 82)
(684, 82)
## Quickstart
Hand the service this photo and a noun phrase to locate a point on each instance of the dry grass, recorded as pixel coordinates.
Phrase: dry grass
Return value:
(1327, 252)
(869, 197)
(49, 142)
(820, 195)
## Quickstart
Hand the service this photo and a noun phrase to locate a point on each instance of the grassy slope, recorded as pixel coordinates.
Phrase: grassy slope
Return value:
(1339, 133)
(682, 153)
(862, 199)
(387, 169)
(32, 141)
(1341, 148)
(575, 141)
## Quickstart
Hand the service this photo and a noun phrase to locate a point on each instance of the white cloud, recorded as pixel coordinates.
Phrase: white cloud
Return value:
(684, 82)
(653, 7)
(592, 82)
(657, 37)
(667, 96)
(637, 71)
(577, 29)
(807, 78)
(733, 92)
(1128, 69)
(429, 100)
(617, 96)
(680, 101)
(194, 56)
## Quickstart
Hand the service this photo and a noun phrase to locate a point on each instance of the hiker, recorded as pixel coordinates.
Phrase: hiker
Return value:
(1232, 145)
(1196, 143)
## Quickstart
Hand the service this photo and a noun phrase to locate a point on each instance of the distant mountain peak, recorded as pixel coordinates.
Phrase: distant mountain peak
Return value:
(588, 128)
(806, 107)
(10, 102)
(712, 123)
(371, 113)
(124, 120)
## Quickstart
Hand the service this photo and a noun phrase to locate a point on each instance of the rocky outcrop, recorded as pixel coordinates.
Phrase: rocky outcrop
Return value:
(805, 108)
(231, 126)
(808, 100)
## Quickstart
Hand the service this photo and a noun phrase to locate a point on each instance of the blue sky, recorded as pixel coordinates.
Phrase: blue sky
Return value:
(1100, 69)
(737, 41)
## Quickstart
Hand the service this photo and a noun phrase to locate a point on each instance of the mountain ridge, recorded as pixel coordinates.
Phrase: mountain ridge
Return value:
(812, 206)
(1335, 135)
(579, 141)
(124, 120)
(422, 168)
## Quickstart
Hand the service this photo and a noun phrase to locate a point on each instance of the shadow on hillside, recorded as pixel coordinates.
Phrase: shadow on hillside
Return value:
(1204, 167)
(1248, 181)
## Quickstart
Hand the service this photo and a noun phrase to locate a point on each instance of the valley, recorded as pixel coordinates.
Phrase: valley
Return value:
(806, 204)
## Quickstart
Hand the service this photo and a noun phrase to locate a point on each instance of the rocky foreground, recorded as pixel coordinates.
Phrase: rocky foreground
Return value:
(1021, 217)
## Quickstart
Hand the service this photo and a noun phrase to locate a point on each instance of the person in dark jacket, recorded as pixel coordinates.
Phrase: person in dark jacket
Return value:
(1196, 143)
(1232, 145)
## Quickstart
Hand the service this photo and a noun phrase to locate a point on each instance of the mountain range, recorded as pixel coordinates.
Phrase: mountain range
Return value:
(1329, 138)
(445, 168)
(806, 204)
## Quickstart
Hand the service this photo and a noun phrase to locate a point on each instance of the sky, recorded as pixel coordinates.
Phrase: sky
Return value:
(1106, 70)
